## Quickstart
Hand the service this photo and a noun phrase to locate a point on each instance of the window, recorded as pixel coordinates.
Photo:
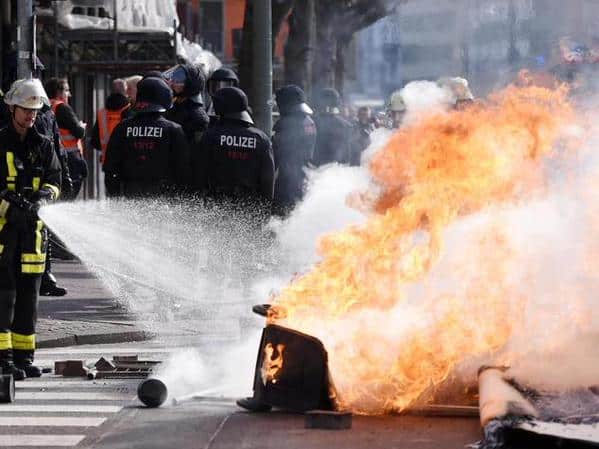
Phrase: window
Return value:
(211, 25)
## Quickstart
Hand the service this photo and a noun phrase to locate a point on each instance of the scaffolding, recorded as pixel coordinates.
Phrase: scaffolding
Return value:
(90, 59)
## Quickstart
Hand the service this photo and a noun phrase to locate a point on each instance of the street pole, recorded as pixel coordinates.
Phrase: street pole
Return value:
(262, 67)
(24, 38)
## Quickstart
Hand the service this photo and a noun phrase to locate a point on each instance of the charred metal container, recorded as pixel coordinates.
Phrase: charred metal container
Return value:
(292, 371)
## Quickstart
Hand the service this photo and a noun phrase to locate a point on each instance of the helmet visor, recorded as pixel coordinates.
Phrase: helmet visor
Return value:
(175, 75)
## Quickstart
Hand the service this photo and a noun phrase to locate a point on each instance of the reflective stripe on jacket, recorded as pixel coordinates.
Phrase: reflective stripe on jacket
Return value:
(107, 121)
(69, 142)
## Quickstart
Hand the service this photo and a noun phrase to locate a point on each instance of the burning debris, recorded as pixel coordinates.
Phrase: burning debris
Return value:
(396, 312)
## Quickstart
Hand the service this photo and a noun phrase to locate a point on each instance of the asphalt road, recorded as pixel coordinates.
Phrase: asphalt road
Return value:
(57, 412)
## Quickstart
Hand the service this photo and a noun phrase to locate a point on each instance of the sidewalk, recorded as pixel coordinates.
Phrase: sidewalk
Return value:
(88, 314)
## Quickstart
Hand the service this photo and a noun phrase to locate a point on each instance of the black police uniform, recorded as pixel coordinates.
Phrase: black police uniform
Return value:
(29, 168)
(188, 109)
(334, 133)
(293, 146)
(235, 159)
(147, 155)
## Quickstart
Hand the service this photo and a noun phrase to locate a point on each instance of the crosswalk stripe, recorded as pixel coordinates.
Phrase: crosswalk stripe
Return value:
(60, 408)
(51, 421)
(107, 351)
(70, 396)
(41, 440)
(67, 383)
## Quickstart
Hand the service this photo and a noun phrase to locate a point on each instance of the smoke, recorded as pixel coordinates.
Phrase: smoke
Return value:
(425, 98)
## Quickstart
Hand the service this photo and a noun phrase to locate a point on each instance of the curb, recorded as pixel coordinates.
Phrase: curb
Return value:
(95, 339)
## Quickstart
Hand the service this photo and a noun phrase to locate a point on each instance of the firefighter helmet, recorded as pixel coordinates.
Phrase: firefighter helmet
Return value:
(458, 87)
(27, 93)
(232, 102)
(396, 102)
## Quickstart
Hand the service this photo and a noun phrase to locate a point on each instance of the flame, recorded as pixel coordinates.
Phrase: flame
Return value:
(271, 367)
(390, 331)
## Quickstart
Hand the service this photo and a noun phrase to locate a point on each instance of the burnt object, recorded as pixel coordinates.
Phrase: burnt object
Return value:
(70, 368)
(7, 388)
(327, 419)
(292, 371)
(261, 309)
(152, 392)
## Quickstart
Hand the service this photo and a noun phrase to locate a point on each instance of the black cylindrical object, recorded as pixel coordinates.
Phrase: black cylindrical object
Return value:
(7, 388)
(152, 392)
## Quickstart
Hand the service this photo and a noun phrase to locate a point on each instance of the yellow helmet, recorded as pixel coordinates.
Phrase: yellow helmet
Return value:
(458, 87)
(396, 102)
(27, 93)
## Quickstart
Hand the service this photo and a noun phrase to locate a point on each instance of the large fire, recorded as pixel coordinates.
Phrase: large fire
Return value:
(392, 335)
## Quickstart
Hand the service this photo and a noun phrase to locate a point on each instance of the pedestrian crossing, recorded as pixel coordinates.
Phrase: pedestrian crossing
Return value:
(58, 412)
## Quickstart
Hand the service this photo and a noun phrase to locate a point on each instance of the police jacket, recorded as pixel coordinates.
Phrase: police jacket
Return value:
(293, 146)
(29, 165)
(234, 160)
(146, 155)
(333, 141)
(191, 116)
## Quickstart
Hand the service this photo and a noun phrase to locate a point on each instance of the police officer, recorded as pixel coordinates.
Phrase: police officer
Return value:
(29, 175)
(333, 140)
(235, 159)
(147, 155)
(223, 77)
(293, 146)
(72, 130)
(188, 82)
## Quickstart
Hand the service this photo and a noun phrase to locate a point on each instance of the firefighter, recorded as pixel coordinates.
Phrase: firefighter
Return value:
(29, 176)
(72, 130)
(235, 160)
(397, 109)
(223, 77)
(460, 91)
(116, 108)
(293, 146)
(187, 82)
(147, 155)
(333, 138)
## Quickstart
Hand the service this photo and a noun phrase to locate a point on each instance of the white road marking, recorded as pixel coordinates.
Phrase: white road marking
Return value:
(59, 408)
(41, 440)
(71, 396)
(51, 421)
(106, 351)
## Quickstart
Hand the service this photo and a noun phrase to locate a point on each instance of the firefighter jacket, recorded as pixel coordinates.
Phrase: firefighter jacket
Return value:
(117, 106)
(333, 141)
(192, 117)
(293, 145)
(235, 160)
(146, 155)
(71, 131)
(26, 167)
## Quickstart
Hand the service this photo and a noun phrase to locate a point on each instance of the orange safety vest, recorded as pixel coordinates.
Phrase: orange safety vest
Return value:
(107, 121)
(69, 141)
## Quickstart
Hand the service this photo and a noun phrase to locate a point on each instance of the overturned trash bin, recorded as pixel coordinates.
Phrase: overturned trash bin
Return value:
(291, 373)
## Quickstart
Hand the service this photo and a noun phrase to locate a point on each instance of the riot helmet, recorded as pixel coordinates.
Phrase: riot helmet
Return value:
(153, 95)
(223, 77)
(232, 102)
(292, 98)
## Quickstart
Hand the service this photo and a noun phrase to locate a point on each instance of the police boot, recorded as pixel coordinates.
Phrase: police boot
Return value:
(48, 285)
(23, 360)
(254, 405)
(8, 367)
